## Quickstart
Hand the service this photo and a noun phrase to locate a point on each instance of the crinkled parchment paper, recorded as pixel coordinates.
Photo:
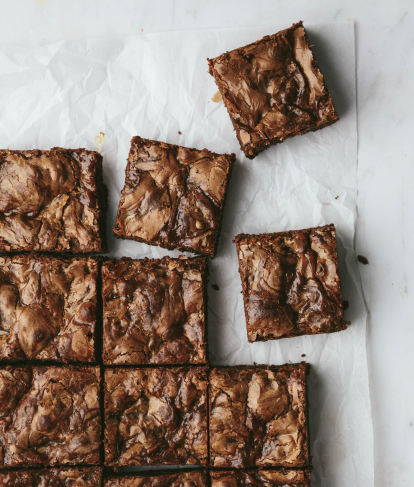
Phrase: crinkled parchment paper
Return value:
(99, 93)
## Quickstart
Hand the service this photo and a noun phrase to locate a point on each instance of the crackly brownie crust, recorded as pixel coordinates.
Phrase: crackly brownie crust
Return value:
(49, 416)
(154, 478)
(156, 416)
(53, 477)
(273, 89)
(290, 283)
(52, 201)
(261, 477)
(48, 307)
(258, 416)
(173, 196)
(154, 311)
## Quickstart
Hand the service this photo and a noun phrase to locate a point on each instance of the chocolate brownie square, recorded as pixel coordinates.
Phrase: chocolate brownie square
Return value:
(258, 416)
(52, 201)
(261, 477)
(48, 307)
(290, 283)
(49, 416)
(154, 311)
(273, 89)
(172, 478)
(173, 196)
(156, 416)
(53, 477)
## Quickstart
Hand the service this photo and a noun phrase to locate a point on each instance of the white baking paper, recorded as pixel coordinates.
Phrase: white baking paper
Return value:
(99, 93)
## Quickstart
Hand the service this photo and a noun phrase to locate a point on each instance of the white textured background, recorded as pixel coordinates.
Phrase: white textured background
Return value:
(385, 227)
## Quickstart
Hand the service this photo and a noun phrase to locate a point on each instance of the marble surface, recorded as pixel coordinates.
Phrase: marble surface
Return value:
(385, 69)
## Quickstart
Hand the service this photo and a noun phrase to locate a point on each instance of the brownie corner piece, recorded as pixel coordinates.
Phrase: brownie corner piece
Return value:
(173, 196)
(60, 207)
(55, 410)
(48, 307)
(53, 477)
(155, 416)
(258, 416)
(273, 89)
(154, 311)
(261, 477)
(290, 283)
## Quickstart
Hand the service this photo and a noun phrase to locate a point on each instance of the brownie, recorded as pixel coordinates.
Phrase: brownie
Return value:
(52, 201)
(156, 416)
(258, 416)
(290, 283)
(53, 477)
(49, 416)
(154, 311)
(261, 477)
(177, 478)
(273, 89)
(48, 307)
(173, 196)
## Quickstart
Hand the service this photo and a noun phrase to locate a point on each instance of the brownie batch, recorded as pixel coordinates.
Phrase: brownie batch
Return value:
(139, 390)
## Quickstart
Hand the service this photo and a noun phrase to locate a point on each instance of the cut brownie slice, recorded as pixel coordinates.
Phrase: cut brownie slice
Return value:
(273, 89)
(258, 416)
(156, 416)
(53, 477)
(49, 416)
(52, 201)
(173, 196)
(172, 478)
(261, 477)
(48, 308)
(154, 311)
(290, 283)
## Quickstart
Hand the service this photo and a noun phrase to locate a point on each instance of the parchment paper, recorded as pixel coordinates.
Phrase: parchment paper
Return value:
(99, 93)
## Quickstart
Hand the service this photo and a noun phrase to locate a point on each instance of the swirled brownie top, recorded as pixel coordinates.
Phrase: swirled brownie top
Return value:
(154, 311)
(290, 283)
(273, 89)
(261, 477)
(173, 196)
(182, 478)
(49, 416)
(52, 201)
(48, 307)
(53, 477)
(258, 417)
(156, 416)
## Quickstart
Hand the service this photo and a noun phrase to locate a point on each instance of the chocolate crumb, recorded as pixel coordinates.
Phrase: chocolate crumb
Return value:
(215, 287)
(362, 259)
(336, 197)
(347, 322)
(345, 305)
(179, 132)
(303, 355)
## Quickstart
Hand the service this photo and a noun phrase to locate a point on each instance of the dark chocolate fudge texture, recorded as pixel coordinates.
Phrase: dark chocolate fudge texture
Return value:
(53, 477)
(52, 201)
(273, 89)
(154, 478)
(290, 283)
(156, 416)
(261, 477)
(258, 416)
(49, 416)
(154, 311)
(173, 196)
(48, 307)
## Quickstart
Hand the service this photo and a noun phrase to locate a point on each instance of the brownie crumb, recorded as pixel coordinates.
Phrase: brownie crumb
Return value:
(303, 355)
(345, 305)
(336, 197)
(362, 259)
(347, 322)
(215, 287)
(179, 132)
